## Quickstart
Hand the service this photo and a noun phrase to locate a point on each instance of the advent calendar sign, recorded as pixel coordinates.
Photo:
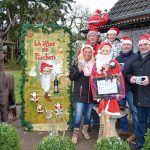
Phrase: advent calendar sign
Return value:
(107, 86)
(45, 61)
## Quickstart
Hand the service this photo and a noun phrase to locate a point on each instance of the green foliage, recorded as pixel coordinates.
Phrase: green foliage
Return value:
(112, 143)
(41, 11)
(9, 138)
(147, 140)
(56, 143)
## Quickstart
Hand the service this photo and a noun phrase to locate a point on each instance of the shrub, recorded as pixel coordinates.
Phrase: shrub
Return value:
(147, 141)
(56, 143)
(9, 138)
(112, 143)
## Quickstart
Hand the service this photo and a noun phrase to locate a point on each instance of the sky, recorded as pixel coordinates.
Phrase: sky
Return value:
(96, 4)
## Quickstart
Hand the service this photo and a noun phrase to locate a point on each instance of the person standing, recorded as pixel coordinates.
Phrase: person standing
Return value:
(114, 41)
(139, 76)
(82, 95)
(125, 58)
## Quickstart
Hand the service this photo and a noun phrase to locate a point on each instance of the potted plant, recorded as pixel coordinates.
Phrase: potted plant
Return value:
(56, 143)
(9, 138)
(147, 141)
(112, 143)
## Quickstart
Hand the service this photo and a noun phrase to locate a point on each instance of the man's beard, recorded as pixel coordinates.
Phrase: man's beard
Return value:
(102, 60)
(45, 82)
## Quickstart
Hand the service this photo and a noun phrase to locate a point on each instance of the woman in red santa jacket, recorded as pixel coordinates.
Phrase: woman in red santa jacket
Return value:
(107, 68)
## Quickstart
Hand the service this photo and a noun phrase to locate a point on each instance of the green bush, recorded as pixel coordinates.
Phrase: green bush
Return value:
(9, 138)
(113, 143)
(56, 143)
(147, 140)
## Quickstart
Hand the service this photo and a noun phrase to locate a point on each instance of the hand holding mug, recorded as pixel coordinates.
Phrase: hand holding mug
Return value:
(145, 81)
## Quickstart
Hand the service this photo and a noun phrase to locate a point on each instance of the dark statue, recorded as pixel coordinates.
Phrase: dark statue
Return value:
(7, 98)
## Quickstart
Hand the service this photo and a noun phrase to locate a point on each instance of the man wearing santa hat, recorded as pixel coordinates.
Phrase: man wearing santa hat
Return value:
(114, 41)
(139, 76)
(125, 58)
(45, 71)
(94, 39)
(94, 22)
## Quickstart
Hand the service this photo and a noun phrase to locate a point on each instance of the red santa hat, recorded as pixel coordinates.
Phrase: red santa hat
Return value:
(102, 45)
(93, 31)
(126, 40)
(97, 19)
(87, 46)
(145, 38)
(45, 65)
(113, 30)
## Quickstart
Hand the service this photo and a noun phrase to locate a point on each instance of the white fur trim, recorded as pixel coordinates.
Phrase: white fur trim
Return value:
(92, 32)
(99, 51)
(112, 31)
(94, 21)
(144, 41)
(109, 113)
(98, 100)
(126, 42)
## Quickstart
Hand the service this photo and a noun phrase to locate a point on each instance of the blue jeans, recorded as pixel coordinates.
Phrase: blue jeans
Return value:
(124, 121)
(95, 117)
(84, 109)
(143, 116)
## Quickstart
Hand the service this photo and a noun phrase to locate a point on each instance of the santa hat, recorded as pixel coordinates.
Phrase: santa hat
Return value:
(102, 45)
(97, 19)
(145, 38)
(113, 30)
(45, 65)
(87, 46)
(126, 40)
(93, 31)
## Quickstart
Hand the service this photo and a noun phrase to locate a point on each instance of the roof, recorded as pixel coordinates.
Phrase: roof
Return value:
(125, 9)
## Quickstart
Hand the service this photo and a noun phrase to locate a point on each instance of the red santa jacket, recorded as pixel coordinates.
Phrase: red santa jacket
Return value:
(114, 69)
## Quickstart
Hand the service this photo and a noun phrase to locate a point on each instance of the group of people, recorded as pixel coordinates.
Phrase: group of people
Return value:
(136, 75)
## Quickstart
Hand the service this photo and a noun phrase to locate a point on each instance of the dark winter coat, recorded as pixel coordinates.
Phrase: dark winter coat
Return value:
(82, 91)
(140, 67)
(126, 59)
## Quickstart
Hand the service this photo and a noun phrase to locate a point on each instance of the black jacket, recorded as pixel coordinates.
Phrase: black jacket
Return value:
(140, 67)
(82, 91)
(126, 59)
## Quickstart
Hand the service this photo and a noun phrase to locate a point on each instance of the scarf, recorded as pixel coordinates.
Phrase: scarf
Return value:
(87, 68)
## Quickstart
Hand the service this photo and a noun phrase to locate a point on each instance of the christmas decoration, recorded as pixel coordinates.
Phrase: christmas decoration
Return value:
(40, 108)
(35, 50)
(34, 97)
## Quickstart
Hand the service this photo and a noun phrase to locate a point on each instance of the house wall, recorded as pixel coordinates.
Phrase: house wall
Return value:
(134, 34)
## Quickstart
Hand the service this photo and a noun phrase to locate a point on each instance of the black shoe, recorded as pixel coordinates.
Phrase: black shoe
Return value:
(135, 146)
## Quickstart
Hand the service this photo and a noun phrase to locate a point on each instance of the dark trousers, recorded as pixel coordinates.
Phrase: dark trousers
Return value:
(4, 112)
(143, 116)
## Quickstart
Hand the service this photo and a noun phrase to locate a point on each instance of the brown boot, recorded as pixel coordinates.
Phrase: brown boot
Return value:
(131, 138)
(85, 132)
(14, 113)
(75, 135)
